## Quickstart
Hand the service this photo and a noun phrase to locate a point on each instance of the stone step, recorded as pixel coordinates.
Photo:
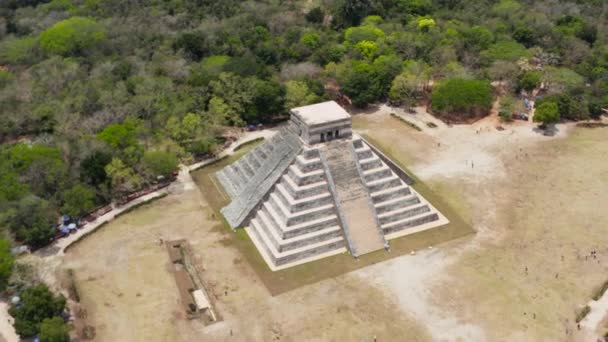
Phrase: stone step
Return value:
(401, 213)
(302, 178)
(307, 165)
(370, 163)
(377, 173)
(364, 152)
(311, 220)
(298, 241)
(309, 203)
(384, 183)
(280, 258)
(409, 222)
(297, 191)
(397, 202)
(310, 226)
(390, 193)
(295, 205)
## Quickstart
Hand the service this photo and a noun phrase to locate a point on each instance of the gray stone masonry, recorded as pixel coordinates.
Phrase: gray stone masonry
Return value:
(289, 229)
(396, 206)
(251, 190)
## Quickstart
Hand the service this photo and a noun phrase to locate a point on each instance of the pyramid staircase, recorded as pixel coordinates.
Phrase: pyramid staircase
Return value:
(351, 195)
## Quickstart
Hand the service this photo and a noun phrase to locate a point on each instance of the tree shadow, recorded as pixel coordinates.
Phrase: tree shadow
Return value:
(546, 130)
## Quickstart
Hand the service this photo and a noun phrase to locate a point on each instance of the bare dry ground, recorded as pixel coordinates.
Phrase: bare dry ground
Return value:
(532, 200)
(536, 203)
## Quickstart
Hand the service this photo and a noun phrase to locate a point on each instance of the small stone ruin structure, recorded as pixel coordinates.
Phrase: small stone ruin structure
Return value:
(315, 189)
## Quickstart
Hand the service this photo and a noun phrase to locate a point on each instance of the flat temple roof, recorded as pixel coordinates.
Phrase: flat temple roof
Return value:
(320, 113)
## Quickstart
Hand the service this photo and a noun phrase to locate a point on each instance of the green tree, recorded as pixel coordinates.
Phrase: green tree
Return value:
(92, 168)
(478, 37)
(37, 304)
(120, 135)
(529, 80)
(462, 97)
(367, 49)
(298, 94)
(361, 84)
(192, 44)
(159, 163)
(124, 179)
(54, 330)
(268, 100)
(351, 12)
(409, 85)
(72, 36)
(32, 220)
(354, 35)
(6, 263)
(315, 15)
(78, 200)
(18, 50)
(546, 113)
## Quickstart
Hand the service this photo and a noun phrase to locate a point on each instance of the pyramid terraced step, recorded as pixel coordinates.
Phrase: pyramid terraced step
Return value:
(377, 173)
(409, 222)
(274, 221)
(402, 213)
(302, 203)
(261, 224)
(302, 178)
(307, 165)
(299, 216)
(399, 209)
(391, 181)
(390, 193)
(370, 163)
(276, 258)
(395, 203)
(301, 191)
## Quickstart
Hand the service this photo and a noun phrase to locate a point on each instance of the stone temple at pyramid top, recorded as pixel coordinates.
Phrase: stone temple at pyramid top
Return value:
(321, 122)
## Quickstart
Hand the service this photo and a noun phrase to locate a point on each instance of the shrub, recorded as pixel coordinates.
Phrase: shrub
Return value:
(54, 330)
(600, 291)
(582, 313)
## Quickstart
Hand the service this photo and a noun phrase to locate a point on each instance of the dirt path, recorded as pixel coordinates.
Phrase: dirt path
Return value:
(7, 332)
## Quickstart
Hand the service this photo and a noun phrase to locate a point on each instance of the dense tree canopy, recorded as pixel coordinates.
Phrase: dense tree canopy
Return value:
(90, 91)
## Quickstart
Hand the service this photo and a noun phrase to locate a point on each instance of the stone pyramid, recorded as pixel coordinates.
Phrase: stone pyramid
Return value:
(314, 190)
